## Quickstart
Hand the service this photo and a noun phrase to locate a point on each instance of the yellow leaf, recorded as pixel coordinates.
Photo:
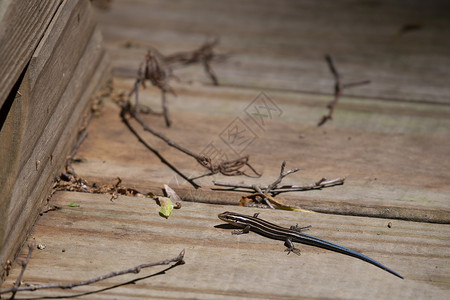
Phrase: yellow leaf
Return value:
(166, 206)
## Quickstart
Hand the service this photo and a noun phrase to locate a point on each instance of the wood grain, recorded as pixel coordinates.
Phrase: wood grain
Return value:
(389, 139)
(81, 242)
(22, 24)
(49, 117)
(378, 147)
(54, 62)
(282, 44)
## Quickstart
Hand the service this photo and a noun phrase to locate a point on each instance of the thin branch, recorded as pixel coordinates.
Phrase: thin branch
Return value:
(227, 168)
(166, 162)
(267, 193)
(353, 84)
(158, 72)
(263, 196)
(338, 88)
(280, 178)
(269, 200)
(165, 109)
(178, 260)
(127, 110)
(285, 188)
(156, 68)
(24, 265)
(210, 72)
(333, 70)
(204, 54)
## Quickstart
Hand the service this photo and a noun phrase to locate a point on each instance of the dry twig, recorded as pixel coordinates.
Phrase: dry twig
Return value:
(322, 183)
(177, 260)
(24, 265)
(267, 193)
(338, 88)
(280, 178)
(125, 113)
(227, 168)
(204, 54)
(158, 72)
(81, 185)
(156, 68)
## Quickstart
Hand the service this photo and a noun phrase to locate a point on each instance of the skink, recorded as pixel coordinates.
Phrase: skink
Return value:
(290, 235)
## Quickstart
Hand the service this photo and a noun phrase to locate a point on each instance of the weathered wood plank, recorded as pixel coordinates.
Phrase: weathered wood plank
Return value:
(219, 265)
(392, 151)
(48, 125)
(53, 65)
(378, 146)
(54, 61)
(22, 24)
(281, 44)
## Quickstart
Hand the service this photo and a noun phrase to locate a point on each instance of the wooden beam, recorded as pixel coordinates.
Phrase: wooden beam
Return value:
(80, 242)
(42, 125)
(22, 24)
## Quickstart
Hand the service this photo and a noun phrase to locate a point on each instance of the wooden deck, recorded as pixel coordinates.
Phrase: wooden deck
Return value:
(390, 139)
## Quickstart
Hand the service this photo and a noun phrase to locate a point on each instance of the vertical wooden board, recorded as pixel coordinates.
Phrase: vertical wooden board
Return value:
(10, 145)
(53, 65)
(22, 25)
(19, 137)
(43, 83)
(45, 109)
(34, 182)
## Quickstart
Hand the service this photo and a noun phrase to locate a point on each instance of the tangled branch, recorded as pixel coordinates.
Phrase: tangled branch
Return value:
(204, 54)
(156, 68)
(267, 193)
(227, 168)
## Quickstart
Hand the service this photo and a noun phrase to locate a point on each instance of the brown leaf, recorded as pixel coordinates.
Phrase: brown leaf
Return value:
(171, 194)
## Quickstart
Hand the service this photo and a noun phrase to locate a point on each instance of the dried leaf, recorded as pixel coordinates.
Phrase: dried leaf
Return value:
(171, 194)
(280, 205)
(245, 201)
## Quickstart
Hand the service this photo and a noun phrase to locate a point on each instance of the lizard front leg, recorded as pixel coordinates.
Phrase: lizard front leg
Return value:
(242, 231)
(290, 247)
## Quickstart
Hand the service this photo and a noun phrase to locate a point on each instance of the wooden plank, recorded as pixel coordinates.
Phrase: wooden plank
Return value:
(80, 242)
(281, 45)
(28, 183)
(390, 138)
(39, 93)
(23, 24)
(378, 146)
(54, 62)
